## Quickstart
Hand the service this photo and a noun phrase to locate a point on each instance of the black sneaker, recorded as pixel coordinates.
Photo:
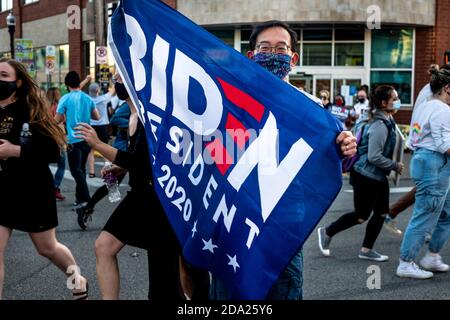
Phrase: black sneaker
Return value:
(83, 216)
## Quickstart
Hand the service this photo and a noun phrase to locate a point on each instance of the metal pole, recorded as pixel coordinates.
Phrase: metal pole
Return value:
(11, 35)
(100, 40)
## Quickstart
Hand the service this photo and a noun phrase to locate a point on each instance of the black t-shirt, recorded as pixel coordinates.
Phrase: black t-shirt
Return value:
(137, 160)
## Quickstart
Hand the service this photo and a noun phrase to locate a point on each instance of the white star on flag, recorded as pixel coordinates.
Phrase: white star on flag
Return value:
(194, 229)
(209, 245)
(233, 262)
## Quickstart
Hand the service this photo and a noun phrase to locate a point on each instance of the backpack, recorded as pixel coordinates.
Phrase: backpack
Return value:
(358, 131)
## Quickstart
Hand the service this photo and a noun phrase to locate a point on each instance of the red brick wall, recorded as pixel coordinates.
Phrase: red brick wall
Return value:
(442, 29)
(76, 50)
(431, 43)
(172, 3)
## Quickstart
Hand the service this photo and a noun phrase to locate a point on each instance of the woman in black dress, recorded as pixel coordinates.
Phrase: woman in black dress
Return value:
(26, 184)
(139, 220)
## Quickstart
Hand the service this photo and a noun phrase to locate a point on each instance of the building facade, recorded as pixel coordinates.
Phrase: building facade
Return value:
(335, 44)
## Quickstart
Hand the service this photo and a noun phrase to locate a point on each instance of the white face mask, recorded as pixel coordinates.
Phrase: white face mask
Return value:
(397, 105)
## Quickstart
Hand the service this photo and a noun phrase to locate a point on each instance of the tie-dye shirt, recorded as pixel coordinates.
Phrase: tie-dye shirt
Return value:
(430, 127)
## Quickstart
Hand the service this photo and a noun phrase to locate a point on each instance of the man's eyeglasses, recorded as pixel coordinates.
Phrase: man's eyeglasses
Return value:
(266, 48)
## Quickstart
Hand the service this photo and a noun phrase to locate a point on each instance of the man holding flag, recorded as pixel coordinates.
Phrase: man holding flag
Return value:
(241, 216)
(273, 46)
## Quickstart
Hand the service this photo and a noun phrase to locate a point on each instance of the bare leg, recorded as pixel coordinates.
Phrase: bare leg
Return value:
(91, 162)
(106, 249)
(48, 246)
(5, 234)
(403, 203)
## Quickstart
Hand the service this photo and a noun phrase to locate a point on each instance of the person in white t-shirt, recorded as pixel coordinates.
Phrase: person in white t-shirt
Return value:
(101, 125)
(361, 109)
(430, 170)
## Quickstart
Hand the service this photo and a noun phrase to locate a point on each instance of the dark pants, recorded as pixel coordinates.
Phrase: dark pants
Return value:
(368, 195)
(403, 203)
(77, 155)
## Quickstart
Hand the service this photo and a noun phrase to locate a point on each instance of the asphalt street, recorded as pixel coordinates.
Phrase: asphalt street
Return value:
(341, 276)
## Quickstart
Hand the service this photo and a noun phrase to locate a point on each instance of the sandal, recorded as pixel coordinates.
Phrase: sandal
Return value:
(83, 295)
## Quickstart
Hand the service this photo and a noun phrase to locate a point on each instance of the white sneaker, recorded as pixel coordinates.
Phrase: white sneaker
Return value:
(412, 270)
(434, 263)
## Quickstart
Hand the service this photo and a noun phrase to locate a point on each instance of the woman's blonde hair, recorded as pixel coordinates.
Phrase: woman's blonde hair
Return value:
(38, 104)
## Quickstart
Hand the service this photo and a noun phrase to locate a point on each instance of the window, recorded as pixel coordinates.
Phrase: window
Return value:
(392, 60)
(400, 80)
(346, 44)
(316, 54)
(245, 40)
(226, 36)
(317, 47)
(349, 54)
(353, 84)
(29, 1)
(317, 34)
(349, 34)
(392, 48)
(61, 69)
(6, 5)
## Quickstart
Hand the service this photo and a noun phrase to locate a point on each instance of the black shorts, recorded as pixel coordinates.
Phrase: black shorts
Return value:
(139, 220)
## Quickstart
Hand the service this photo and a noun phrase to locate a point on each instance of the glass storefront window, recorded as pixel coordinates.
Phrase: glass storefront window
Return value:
(245, 34)
(316, 54)
(349, 54)
(226, 36)
(245, 47)
(392, 48)
(349, 34)
(6, 5)
(354, 85)
(400, 80)
(317, 34)
(61, 69)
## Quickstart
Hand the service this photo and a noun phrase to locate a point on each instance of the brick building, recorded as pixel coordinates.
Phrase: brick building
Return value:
(336, 47)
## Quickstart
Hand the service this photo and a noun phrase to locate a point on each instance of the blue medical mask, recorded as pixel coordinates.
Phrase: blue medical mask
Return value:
(397, 105)
(277, 64)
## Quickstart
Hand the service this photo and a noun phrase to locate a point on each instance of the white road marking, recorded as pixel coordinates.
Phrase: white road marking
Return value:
(392, 190)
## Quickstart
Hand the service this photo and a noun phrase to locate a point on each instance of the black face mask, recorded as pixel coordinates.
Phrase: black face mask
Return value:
(121, 91)
(7, 88)
(361, 100)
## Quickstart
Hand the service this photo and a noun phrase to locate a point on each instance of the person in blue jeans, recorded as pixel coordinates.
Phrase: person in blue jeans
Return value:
(430, 170)
(273, 46)
(76, 107)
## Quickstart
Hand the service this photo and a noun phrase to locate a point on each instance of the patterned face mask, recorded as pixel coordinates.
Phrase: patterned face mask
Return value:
(277, 64)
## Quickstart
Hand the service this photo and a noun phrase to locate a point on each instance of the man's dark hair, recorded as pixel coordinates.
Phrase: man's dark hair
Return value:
(72, 80)
(271, 24)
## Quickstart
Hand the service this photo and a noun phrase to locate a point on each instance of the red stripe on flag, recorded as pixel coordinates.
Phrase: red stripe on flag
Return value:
(237, 130)
(243, 100)
(220, 155)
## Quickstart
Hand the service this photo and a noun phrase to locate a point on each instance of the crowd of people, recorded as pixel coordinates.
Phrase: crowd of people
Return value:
(77, 126)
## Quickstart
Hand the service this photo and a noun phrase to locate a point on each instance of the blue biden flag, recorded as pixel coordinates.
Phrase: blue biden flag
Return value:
(245, 165)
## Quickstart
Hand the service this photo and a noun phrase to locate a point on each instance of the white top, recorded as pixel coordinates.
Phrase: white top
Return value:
(101, 104)
(424, 95)
(430, 127)
(362, 111)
